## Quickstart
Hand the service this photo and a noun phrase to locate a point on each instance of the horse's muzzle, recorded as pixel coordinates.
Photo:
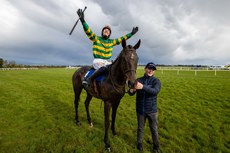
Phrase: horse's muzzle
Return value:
(131, 84)
(131, 78)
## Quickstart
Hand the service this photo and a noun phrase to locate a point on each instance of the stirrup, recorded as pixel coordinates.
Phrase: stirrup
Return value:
(85, 82)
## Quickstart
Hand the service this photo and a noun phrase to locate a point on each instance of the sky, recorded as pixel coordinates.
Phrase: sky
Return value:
(186, 32)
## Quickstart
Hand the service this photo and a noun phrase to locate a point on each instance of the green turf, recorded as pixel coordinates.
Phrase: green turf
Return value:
(37, 114)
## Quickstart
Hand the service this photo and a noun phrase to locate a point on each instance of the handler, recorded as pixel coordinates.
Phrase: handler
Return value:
(102, 47)
(147, 89)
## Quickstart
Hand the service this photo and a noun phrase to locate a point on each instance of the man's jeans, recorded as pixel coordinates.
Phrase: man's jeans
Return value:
(152, 118)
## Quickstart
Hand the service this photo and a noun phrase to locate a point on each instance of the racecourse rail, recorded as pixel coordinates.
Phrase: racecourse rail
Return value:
(6, 69)
(162, 69)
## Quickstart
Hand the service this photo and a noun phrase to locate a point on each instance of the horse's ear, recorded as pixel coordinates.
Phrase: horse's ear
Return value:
(137, 45)
(123, 43)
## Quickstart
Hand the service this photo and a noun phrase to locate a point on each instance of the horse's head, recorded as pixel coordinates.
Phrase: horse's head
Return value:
(129, 62)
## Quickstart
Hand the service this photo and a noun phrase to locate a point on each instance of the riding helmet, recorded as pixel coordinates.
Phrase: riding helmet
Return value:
(106, 27)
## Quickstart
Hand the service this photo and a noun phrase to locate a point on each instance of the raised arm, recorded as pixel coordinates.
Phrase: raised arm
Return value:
(129, 35)
(86, 27)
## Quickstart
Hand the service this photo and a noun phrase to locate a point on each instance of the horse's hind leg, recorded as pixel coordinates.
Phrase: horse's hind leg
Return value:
(76, 103)
(87, 102)
(77, 92)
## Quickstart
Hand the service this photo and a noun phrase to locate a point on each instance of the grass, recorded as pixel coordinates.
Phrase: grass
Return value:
(37, 114)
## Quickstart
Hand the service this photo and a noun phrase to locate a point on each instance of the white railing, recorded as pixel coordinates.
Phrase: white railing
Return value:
(6, 69)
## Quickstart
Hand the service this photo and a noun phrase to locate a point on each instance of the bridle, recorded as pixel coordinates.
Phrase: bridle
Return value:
(117, 86)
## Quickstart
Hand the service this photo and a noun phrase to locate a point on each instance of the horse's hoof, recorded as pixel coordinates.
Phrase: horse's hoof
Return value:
(114, 133)
(91, 124)
(108, 149)
(78, 123)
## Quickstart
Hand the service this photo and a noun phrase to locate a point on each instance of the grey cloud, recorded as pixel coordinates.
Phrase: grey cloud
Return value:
(172, 32)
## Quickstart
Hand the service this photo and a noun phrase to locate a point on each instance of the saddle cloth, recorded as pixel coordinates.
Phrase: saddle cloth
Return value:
(98, 79)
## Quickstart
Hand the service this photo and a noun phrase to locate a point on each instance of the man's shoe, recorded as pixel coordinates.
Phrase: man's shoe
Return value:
(139, 147)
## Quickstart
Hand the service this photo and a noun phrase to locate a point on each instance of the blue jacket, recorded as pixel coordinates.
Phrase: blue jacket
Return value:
(146, 98)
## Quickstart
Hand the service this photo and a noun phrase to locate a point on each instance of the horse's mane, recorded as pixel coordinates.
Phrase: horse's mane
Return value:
(118, 57)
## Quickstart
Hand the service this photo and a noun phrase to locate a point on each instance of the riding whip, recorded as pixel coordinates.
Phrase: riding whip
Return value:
(76, 22)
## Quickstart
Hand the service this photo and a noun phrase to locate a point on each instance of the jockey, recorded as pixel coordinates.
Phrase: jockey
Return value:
(102, 47)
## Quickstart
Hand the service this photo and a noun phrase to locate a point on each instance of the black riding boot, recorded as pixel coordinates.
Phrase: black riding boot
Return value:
(97, 73)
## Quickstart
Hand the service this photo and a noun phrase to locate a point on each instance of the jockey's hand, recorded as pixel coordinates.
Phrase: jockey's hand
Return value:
(135, 29)
(81, 15)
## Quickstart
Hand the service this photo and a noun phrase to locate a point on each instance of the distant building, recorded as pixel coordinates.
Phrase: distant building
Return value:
(71, 67)
(217, 67)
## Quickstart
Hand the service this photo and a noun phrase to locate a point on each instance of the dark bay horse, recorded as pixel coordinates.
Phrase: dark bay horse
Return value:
(112, 89)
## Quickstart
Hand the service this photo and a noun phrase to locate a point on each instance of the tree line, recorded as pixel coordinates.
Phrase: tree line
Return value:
(8, 64)
(13, 64)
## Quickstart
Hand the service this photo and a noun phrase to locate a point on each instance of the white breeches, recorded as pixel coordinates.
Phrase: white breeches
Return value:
(97, 63)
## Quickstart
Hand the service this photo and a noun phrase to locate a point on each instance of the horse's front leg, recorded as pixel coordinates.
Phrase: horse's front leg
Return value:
(114, 112)
(107, 107)
(87, 102)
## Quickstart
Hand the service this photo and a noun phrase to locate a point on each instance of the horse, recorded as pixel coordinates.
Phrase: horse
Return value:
(121, 72)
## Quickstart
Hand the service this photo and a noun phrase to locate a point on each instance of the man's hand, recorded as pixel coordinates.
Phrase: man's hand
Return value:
(81, 15)
(139, 85)
(132, 90)
(135, 29)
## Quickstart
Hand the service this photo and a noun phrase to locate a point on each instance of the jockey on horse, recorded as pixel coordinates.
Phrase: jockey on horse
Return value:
(102, 47)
